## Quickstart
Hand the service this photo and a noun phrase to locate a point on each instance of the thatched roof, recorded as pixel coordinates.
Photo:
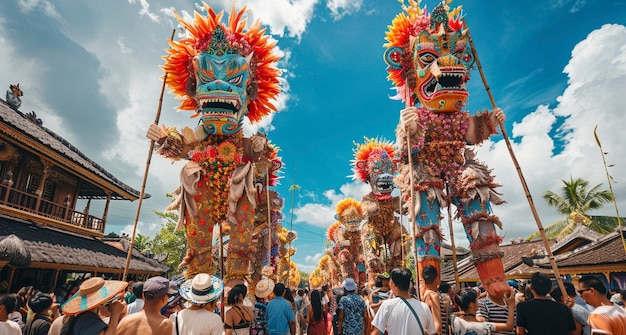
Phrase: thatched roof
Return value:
(53, 248)
(12, 249)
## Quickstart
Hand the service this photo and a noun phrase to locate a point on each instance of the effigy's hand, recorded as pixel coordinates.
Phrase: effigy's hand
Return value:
(373, 209)
(156, 133)
(408, 119)
(258, 143)
(497, 116)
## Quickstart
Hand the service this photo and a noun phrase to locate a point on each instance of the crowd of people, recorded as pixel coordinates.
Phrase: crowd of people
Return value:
(394, 304)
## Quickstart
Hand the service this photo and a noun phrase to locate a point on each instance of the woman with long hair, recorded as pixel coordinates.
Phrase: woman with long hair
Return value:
(469, 323)
(315, 316)
(237, 319)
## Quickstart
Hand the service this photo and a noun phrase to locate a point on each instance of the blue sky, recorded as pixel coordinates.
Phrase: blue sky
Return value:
(90, 70)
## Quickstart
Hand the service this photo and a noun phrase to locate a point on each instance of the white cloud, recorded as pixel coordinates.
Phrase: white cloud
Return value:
(596, 70)
(322, 214)
(311, 262)
(46, 7)
(341, 8)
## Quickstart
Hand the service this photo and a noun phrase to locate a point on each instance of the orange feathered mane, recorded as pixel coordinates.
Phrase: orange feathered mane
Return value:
(252, 40)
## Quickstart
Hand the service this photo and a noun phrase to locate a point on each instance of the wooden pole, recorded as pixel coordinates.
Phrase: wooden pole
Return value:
(457, 285)
(517, 167)
(407, 104)
(145, 177)
(269, 220)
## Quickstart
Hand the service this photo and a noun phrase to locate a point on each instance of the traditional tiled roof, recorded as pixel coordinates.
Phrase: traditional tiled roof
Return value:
(31, 128)
(606, 251)
(67, 251)
(511, 260)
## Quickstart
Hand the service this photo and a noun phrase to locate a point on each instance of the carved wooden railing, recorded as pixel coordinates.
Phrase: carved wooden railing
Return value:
(31, 203)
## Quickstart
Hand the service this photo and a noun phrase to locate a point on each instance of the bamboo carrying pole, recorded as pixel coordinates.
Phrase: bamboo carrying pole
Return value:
(145, 176)
(517, 167)
(407, 104)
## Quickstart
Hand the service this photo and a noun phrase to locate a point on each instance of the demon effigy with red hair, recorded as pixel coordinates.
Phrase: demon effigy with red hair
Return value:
(221, 72)
(429, 58)
(374, 164)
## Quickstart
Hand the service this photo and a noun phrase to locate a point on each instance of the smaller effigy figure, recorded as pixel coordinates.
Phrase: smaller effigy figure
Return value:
(13, 96)
(349, 212)
(373, 164)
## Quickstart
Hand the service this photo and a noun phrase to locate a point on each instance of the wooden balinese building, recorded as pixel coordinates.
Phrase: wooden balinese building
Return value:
(42, 177)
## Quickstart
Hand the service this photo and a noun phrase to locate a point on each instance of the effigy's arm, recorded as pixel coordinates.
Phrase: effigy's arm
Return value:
(483, 124)
(171, 143)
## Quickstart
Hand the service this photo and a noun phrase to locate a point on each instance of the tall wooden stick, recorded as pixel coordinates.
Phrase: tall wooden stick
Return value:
(407, 104)
(517, 167)
(456, 268)
(145, 177)
(269, 219)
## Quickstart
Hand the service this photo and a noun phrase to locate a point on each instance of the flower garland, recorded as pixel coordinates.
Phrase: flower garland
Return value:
(444, 141)
(218, 163)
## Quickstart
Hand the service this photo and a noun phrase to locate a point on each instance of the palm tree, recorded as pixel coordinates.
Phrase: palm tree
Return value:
(575, 201)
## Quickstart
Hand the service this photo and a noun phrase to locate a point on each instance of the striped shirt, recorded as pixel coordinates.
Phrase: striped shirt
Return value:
(493, 312)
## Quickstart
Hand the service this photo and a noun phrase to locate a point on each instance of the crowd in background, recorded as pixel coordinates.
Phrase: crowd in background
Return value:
(393, 304)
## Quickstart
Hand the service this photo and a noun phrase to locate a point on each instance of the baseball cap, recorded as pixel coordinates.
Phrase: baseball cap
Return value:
(156, 287)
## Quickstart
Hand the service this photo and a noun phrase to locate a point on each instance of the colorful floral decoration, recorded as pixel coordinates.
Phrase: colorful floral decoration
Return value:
(428, 60)
(349, 212)
(374, 164)
(222, 72)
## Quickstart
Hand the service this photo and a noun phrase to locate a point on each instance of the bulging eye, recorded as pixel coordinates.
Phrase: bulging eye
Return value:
(236, 80)
(427, 57)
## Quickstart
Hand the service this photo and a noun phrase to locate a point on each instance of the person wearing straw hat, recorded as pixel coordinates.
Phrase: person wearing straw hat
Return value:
(80, 311)
(202, 291)
(263, 290)
(149, 321)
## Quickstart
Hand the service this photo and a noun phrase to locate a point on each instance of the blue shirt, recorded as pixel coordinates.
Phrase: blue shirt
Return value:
(279, 314)
(353, 307)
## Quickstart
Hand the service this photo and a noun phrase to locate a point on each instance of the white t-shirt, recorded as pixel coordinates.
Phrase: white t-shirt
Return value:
(395, 316)
(134, 307)
(10, 328)
(197, 322)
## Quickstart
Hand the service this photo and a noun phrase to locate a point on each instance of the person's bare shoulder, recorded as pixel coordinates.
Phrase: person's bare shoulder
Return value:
(130, 324)
(165, 328)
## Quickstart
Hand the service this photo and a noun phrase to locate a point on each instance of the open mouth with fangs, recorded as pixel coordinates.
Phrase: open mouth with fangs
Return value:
(219, 104)
(447, 81)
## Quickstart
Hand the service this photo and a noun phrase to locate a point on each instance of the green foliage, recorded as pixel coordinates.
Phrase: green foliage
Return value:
(142, 242)
(304, 279)
(575, 201)
(172, 244)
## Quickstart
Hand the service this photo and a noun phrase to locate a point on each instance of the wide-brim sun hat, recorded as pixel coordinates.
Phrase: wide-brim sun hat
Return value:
(264, 287)
(202, 289)
(91, 293)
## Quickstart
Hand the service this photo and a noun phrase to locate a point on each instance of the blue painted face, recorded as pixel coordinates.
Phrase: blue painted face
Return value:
(221, 95)
(381, 174)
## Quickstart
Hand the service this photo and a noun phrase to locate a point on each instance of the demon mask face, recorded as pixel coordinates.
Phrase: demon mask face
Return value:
(221, 92)
(374, 164)
(223, 71)
(432, 57)
(380, 168)
(350, 213)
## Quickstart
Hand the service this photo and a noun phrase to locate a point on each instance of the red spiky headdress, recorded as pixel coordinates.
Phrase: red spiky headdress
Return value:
(244, 42)
(405, 27)
(367, 151)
